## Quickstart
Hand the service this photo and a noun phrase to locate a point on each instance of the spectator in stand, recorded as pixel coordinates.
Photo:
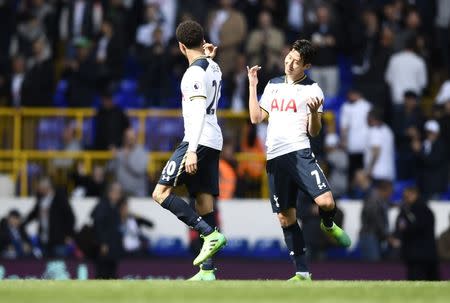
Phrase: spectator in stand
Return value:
(153, 20)
(444, 123)
(264, 46)
(406, 71)
(29, 30)
(110, 53)
(392, 15)
(443, 95)
(130, 166)
(70, 144)
(107, 225)
(134, 242)
(415, 230)
(89, 186)
(354, 129)
(379, 155)
(296, 13)
(337, 161)
(238, 92)
(407, 126)
(227, 171)
(442, 22)
(265, 43)
(110, 123)
(154, 81)
(55, 219)
(374, 222)
(361, 185)
(432, 161)
(13, 83)
(81, 75)
(168, 10)
(80, 18)
(7, 15)
(444, 245)
(250, 171)
(14, 241)
(227, 29)
(412, 27)
(46, 14)
(371, 62)
(38, 82)
(325, 37)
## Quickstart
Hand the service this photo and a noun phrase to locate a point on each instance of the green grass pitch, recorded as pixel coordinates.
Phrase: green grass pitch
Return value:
(35, 291)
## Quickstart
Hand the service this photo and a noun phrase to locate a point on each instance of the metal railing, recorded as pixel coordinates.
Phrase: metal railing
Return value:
(18, 137)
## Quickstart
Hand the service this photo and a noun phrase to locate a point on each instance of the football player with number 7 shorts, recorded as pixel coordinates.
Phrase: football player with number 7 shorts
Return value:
(293, 104)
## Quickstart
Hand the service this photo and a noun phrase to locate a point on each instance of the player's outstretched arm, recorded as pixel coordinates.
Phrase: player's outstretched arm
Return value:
(257, 115)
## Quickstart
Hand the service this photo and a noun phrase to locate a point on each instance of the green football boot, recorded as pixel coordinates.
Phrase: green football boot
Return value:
(212, 243)
(300, 278)
(336, 233)
(204, 275)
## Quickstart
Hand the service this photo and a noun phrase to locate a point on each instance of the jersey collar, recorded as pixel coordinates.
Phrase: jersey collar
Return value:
(296, 81)
(198, 58)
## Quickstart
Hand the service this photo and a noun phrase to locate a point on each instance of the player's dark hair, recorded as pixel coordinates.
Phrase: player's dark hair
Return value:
(305, 49)
(190, 33)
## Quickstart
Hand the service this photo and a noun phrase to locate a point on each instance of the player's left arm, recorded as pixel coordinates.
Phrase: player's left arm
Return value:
(314, 116)
(197, 107)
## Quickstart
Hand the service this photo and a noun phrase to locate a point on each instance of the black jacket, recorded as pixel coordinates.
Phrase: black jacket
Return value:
(7, 238)
(38, 85)
(417, 234)
(107, 228)
(61, 219)
(109, 127)
(433, 166)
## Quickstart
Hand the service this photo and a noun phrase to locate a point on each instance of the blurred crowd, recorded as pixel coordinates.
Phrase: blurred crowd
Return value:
(383, 65)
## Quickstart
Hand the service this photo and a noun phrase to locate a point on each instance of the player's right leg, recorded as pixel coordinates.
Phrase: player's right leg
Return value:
(172, 175)
(163, 195)
(283, 197)
(204, 206)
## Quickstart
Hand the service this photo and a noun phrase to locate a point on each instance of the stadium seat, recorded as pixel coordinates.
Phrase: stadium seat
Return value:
(49, 133)
(59, 98)
(268, 249)
(169, 247)
(237, 247)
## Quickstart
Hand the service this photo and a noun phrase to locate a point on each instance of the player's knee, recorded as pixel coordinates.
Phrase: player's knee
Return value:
(325, 201)
(160, 193)
(286, 219)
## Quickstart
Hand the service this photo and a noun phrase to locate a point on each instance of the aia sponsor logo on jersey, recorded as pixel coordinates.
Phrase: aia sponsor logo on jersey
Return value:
(283, 105)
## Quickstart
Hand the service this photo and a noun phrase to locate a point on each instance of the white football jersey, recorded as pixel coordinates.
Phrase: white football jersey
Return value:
(288, 114)
(202, 79)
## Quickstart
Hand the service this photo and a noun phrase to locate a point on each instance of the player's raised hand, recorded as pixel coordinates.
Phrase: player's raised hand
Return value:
(191, 163)
(253, 74)
(210, 50)
(314, 104)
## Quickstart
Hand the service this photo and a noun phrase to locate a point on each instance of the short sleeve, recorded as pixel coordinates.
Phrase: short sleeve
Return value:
(195, 83)
(315, 92)
(344, 123)
(264, 102)
(375, 138)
